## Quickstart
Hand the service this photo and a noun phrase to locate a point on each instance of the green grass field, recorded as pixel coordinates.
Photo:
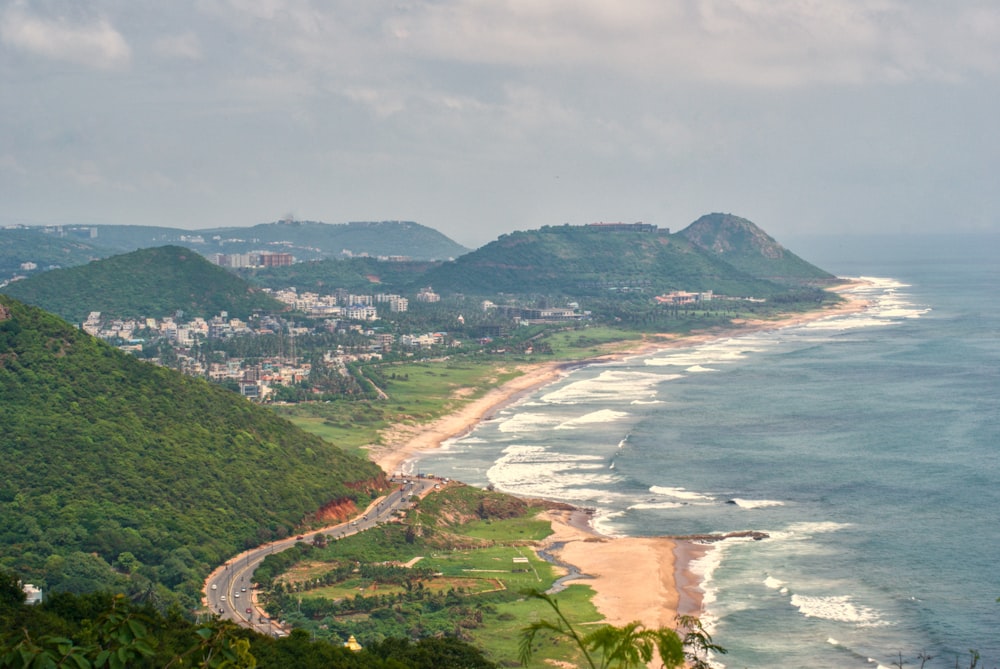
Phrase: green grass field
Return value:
(484, 564)
(419, 392)
(581, 343)
(501, 636)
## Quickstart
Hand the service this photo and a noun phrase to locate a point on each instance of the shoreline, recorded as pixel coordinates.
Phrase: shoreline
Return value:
(621, 595)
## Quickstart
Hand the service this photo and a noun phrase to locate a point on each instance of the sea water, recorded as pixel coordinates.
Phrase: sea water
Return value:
(865, 445)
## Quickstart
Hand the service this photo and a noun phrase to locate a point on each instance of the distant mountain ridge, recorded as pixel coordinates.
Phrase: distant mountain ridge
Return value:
(306, 240)
(746, 247)
(718, 252)
(108, 461)
(722, 253)
(153, 282)
(39, 252)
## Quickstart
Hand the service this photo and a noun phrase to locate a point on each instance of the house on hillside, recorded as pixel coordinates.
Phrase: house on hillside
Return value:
(32, 595)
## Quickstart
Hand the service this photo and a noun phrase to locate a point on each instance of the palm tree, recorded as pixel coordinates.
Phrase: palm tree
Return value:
(631, 645)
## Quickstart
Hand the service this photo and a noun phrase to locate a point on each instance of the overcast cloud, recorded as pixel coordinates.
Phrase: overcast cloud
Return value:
(478, 118)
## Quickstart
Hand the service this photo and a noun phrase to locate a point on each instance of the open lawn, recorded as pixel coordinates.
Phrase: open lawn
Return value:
(529, 529)
(589, 341)
(501, 635)
(500, 562)
(368, 587)
(419, 392)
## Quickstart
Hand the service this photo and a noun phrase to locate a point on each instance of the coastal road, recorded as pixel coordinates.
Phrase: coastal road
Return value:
(229, 591)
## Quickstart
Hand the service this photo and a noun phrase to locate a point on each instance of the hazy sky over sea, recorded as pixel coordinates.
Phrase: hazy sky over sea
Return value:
(482, 117)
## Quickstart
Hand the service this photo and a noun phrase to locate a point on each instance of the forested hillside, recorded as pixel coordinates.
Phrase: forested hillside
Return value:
(746, 247)
(104, 630)
(116, 473)
(21, 246)
(362, 275)
(154, 282)
(306, 240)
(588, 260)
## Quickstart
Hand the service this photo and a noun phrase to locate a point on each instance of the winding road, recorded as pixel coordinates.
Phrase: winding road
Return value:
(229, 591)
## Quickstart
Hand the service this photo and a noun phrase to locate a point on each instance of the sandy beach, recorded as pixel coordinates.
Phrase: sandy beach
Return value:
(634, 578)
(411, 440)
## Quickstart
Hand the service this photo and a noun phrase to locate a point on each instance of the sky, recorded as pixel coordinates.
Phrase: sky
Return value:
(481, 117)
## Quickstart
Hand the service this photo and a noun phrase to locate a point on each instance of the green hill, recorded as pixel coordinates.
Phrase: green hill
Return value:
(355, 274)
(306, 240)
(117, 473)
(153, 282)
(746, 247)
(585, 260)
(19, 246)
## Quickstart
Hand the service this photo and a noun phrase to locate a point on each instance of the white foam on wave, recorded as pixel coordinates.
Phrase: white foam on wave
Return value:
(775, 584)
(468, 439)
(680, 493)
(656, 505)
(528, 422)
(900, 309)
(842, 323)
(838, 608)
(646, 402)
(876, 284)
(817, 527)
(602, 416)
(535, 471)
(756, 503)
(887, 306)
(699, 358)
(704, 568)
(611, 384)
(603, 523)
(694, 369)
(804, 532)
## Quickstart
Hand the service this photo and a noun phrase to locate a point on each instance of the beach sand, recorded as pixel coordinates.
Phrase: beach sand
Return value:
(648, 579)
(408, 441)
(633, 578)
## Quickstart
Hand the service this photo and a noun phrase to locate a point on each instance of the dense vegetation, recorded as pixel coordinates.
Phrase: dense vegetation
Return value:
(457, 566)
(578, 261)
(614, 274)
(373, 238)
(23, 245)
(306, 240)
(118, 474)
(153, 282)
(103, 630)
(748, 248)
(359, 275)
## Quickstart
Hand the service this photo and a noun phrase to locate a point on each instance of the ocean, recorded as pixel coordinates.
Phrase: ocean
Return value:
(865, 445)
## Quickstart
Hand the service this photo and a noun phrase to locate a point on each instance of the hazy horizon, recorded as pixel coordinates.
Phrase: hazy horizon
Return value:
(477, 120)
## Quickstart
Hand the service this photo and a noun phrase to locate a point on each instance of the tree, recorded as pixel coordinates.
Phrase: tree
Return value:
(631, 645)
(108, 632)
(127, 562)
(697, 642)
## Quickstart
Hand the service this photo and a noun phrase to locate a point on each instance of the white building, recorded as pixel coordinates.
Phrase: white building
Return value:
(32, 595)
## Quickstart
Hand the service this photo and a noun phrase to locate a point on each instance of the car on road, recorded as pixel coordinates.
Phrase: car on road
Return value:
(243, 589)
(215, 587)
(237, 595)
